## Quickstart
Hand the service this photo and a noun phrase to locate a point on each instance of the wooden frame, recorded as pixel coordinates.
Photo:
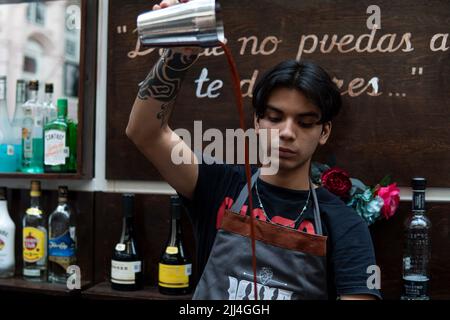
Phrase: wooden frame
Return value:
(86, 95)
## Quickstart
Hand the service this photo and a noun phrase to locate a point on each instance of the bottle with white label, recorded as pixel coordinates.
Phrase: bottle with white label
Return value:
(7, 236)
(32, 132)
(62, 239)
(56, 141)
(35, 238)
(126, 263)
(175, 268)
(8, 156)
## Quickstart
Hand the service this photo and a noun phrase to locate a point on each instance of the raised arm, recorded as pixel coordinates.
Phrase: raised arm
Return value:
(148, 124)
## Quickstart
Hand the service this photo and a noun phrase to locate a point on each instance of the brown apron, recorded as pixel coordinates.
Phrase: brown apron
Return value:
(291, 265)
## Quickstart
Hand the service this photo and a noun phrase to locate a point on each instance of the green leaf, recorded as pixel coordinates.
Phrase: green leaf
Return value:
(386, 181)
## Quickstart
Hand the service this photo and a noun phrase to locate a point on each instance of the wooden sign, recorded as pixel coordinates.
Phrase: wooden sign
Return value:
(391, 62)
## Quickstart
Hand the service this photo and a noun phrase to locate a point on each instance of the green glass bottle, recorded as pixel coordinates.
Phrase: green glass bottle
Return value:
(73, 143)
(57, 141)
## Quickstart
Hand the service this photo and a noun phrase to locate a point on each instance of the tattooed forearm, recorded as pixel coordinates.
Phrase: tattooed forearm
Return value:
(165, 113)
(164, 80)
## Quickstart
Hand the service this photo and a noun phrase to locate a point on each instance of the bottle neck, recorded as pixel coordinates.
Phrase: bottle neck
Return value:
(418, 202)
(49, 97)
(34, 201)
(33, 95)
(3, 208)
(175, 231)
(127, 229)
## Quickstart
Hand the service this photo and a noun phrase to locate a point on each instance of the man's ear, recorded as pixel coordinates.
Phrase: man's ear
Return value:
(326, 131)
(256, 123)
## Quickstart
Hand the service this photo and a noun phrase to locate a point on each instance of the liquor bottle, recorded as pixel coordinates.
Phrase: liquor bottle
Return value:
(8, 158)
(175, 268)
(126, 263)
(35, 238)
(18, 119)
(57, 141)
(50, 112)
(7, 236)
(62, 239)
(32, 133)
(417, 247)
(73, 144)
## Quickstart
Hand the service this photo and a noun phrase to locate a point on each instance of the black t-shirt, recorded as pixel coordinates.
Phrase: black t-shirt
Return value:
(349, 246)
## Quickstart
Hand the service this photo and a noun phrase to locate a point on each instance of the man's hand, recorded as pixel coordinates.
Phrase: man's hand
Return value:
(188, 51)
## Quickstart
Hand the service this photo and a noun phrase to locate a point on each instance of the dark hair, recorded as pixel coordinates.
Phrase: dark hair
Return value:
(307, 77)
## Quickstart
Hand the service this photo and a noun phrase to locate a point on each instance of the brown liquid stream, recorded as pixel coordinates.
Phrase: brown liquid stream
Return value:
(240, 105)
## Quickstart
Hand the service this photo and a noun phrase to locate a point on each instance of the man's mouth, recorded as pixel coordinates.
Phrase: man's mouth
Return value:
(286, 152)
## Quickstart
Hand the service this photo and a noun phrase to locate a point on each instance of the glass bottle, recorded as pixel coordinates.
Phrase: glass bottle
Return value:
(62, 239)
(35, 238)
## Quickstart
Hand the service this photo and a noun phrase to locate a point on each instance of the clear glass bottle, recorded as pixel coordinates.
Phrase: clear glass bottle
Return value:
(32, 133)
(62, 239)
(126, 263)
(18, 119)
(49, 108)
(417, 251)
(57, 141)
(8, 157)
(7, 239)
(35, 238)
(175, 268)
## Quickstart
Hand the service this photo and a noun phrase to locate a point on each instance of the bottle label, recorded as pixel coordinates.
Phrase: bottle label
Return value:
(62, 246)
(55, 148)
(6, 248)
(33, 244)
(124, 272)
(415, 289)
(171, 276)
(32, 272)
(27, 143)
(10, 150)
(34, 211)
(172, 250)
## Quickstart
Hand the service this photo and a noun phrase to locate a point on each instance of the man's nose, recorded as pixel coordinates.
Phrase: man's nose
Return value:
(287, 131)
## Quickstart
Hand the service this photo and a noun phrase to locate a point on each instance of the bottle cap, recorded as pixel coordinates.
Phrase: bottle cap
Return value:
(49, 88)
(128, 204)
(63, 192)
(35, 188)
(33, 85)
(2, 193)
(175, 205)
(419, 183)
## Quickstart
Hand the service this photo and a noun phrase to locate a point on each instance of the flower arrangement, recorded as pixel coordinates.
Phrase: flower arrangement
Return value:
(371, 203)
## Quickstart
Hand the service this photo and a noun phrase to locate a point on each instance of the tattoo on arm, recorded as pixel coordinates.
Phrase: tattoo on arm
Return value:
(164, 80)
(165, 113)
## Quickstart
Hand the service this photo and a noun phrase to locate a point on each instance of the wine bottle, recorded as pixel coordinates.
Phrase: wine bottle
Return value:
(62, 239)
(7, 234)
(35, 238)
(126, 263)
(416, 256)
(8, 156)
(175, 268)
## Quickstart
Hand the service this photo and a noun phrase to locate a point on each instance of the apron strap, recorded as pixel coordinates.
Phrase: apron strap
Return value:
(244, 194)
(317, 220)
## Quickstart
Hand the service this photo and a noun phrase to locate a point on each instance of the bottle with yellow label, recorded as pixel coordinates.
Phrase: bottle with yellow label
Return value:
(175, 268)
(35, 238)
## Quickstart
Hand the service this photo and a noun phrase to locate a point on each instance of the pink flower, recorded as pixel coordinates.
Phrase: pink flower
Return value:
(391, 198)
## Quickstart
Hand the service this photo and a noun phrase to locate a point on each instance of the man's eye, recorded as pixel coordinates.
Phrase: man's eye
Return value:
(274, 119)
(306, 124)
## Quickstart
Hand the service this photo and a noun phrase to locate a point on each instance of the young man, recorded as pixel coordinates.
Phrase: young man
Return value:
(298, 99)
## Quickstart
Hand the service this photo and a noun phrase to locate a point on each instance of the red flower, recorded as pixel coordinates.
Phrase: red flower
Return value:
(337, 181)
(391, 198)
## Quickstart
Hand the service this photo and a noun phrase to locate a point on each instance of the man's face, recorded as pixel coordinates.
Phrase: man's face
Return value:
(296, 118)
